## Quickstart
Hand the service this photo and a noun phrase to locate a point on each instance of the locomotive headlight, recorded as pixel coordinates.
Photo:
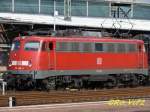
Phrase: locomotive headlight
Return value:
(26, 63)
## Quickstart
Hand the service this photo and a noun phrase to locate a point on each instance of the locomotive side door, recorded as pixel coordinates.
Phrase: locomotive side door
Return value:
(51, 55)
(140, 56)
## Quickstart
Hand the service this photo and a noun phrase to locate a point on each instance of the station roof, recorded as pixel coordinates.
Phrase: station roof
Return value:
(124, 1)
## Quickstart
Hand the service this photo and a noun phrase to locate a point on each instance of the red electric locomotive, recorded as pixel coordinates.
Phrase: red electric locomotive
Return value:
(50, 62)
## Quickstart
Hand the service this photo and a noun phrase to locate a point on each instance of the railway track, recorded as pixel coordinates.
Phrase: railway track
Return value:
(41, 97)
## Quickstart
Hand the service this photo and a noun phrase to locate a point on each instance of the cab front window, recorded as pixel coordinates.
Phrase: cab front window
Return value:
(32, 46)
(15, 46)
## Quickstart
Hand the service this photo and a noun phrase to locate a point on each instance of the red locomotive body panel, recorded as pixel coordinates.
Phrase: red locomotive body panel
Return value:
(49, 58)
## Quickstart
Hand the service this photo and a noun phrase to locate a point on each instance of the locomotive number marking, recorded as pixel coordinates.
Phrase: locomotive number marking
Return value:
(99, 61)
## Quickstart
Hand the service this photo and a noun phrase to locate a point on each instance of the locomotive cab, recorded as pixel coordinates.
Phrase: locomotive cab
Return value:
(23, 55)
(28, 57)
(23, 60)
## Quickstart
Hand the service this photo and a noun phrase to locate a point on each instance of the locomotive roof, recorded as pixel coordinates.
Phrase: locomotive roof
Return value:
(79, 39)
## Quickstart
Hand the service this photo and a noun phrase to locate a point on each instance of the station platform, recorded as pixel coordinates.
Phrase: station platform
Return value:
(134, 105)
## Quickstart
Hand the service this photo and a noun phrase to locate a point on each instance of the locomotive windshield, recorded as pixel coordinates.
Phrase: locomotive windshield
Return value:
(32, 46)
(15, 45)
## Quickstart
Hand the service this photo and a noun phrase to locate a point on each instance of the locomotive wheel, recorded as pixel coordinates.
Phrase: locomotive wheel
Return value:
(20, 84)
(111, 83)
(142, 80)
(11, 84)
(134, 81)
(49, 84)
(76, 83)
(31, 84)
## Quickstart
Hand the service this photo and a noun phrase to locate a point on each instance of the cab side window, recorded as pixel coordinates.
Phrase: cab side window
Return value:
(43, 48)
(132, 47)
(99, 47)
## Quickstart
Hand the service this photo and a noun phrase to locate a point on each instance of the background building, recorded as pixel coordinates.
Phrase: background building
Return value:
(102, 14)
(117, 17)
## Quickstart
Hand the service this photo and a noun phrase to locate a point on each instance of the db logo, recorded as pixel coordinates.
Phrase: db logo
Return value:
(99, 61)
